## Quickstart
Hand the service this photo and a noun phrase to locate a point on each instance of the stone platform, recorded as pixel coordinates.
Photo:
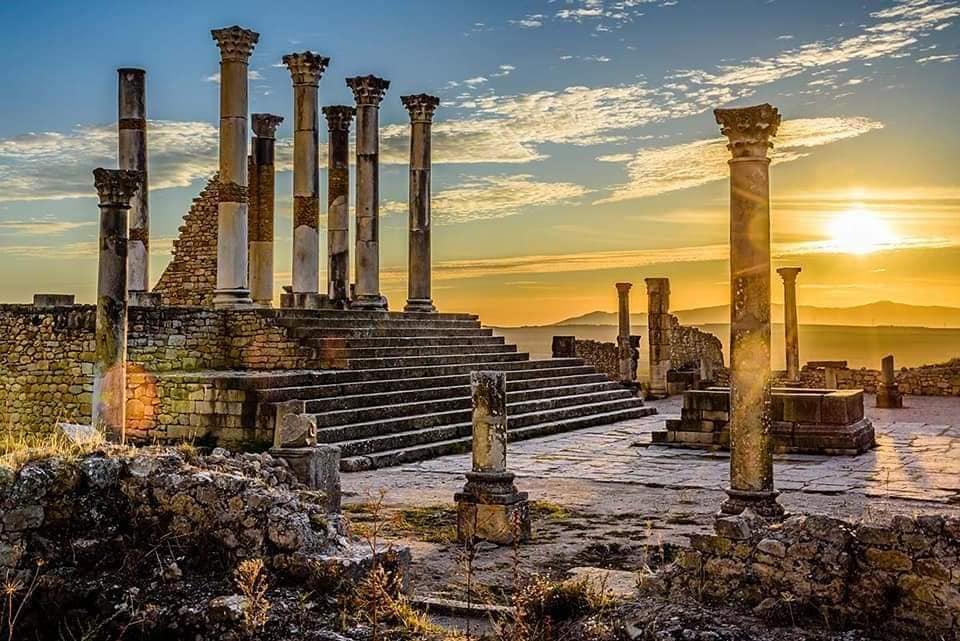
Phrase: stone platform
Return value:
(811, 421)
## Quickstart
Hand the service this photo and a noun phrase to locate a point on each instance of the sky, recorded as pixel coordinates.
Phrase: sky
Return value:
(574, 147)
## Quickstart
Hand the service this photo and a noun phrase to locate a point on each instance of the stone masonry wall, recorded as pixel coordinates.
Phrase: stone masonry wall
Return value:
(602, 356)
(689, 344)
(901, 576)
(46, 359)
(191, 276)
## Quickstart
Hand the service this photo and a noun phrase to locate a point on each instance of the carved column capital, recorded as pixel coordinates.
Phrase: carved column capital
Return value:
(789, 274)
(368, 90)
(339, 117)
(116, 187)
(265, 125)
(624, 288)
(236, 43)
(306, 67)
(749, 129)
(421, 106)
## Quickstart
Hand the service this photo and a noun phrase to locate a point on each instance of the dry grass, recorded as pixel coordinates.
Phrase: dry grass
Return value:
(251, 580)
(17, 447)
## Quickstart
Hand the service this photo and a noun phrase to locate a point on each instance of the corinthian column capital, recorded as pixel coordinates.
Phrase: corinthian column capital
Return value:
(236, 43)
(339, 117)
(788, 274)
(116, 187)
(368, 90)
(306, 68)
(265, 125)
(421, 106)
(749, 129)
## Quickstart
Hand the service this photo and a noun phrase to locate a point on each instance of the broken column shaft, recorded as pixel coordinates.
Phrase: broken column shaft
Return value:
(751, 457)
(132, 154)
(306, 69)
(368, 92)
(236, 45)
(790, 323)
(421, 108)
(338, 203)
(659, 334)
(888, 392)
(261, 208)
(115, 188)
(624, 348)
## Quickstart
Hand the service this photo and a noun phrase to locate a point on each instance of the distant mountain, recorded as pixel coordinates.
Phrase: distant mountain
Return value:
(881, 313)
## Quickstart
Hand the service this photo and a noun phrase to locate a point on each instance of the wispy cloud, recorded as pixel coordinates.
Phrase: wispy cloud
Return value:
(39, 226)
(945, 57)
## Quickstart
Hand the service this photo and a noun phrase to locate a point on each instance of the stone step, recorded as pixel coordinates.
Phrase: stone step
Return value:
(358, 331)
(423, 361)
(517, 390)
(385, 323)
(402, 455)
(423, 371)
(375, 435)
(458, 407)
(352, 353)
(308, 314)
(519, 379)
(401, 341)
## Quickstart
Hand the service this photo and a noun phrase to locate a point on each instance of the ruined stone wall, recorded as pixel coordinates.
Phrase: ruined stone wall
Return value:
(46, 358)
(602, 356)
(191, 276)
(900, 575)
(689, 344)
(928, 380)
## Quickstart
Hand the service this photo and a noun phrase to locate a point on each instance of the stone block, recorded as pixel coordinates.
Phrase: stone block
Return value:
(564, 346)
(317, 467)
(501, 523)
(801, 408)
(53, 300)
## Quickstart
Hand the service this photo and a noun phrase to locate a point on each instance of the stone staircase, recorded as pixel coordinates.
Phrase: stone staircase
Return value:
(395, 387)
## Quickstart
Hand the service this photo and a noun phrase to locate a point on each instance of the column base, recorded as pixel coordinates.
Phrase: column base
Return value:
(889, 397)
(491, 509)
(761, 503)
(421, 305)
(369, 302)
(230, 298)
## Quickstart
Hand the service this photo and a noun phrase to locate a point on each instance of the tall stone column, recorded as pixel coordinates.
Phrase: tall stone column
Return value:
(132, 154)
(790, 322)
(338, 203)
(751, 457)
(116, 188)
(659, 334)
(261, 207)
(236, 45)
(624, 349)
(368, 92)
(306, 69)
(421, 108)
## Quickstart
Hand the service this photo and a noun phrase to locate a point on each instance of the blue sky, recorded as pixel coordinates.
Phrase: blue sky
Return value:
(574, 146)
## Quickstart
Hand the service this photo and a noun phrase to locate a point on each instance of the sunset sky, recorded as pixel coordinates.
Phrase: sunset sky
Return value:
(574, 147)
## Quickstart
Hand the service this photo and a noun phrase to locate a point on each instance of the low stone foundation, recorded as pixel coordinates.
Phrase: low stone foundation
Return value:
(901, 577)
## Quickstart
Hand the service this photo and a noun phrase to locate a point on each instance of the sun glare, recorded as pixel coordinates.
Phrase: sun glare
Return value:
(860, 231)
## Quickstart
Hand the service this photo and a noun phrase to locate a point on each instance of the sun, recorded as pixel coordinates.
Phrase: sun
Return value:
(860, 231)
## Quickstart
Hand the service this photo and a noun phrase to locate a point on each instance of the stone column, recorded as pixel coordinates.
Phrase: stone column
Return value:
(624, 350)
(132, 154)
(421, 108)
(790, 323)
(261, 208)
(490, 507)
(888, 392)
(116, 188)
(751, 457)
(338, 203)
(368, 92)
(306, 69)
(236, 45)
(658, 334)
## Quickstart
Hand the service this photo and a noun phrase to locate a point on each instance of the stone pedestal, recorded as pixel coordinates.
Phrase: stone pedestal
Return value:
(368, 92)
(132, 154)
(490, 508)
(751, 458)
(53, 300)
(419, 297)
(564, 347)
(261, 208)
(115, 188)
(790, 321)
(659, 330)
(236, 45)
(888, 392)
(317, 467)
(338, 204)
(306, 69)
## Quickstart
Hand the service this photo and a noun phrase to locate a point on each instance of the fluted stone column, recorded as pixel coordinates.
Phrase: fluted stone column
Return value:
(368, 92)
(624, 349)
(116, 188)
(236, 45)
(261, 207)
(659, 334)
(421, 108)
(751, 457)
(132, 154)
(306, 69)
(790, 322)
(338, 203)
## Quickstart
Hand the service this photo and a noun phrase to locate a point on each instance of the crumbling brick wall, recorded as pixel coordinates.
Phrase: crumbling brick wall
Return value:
(689, 344)
(602, 356)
